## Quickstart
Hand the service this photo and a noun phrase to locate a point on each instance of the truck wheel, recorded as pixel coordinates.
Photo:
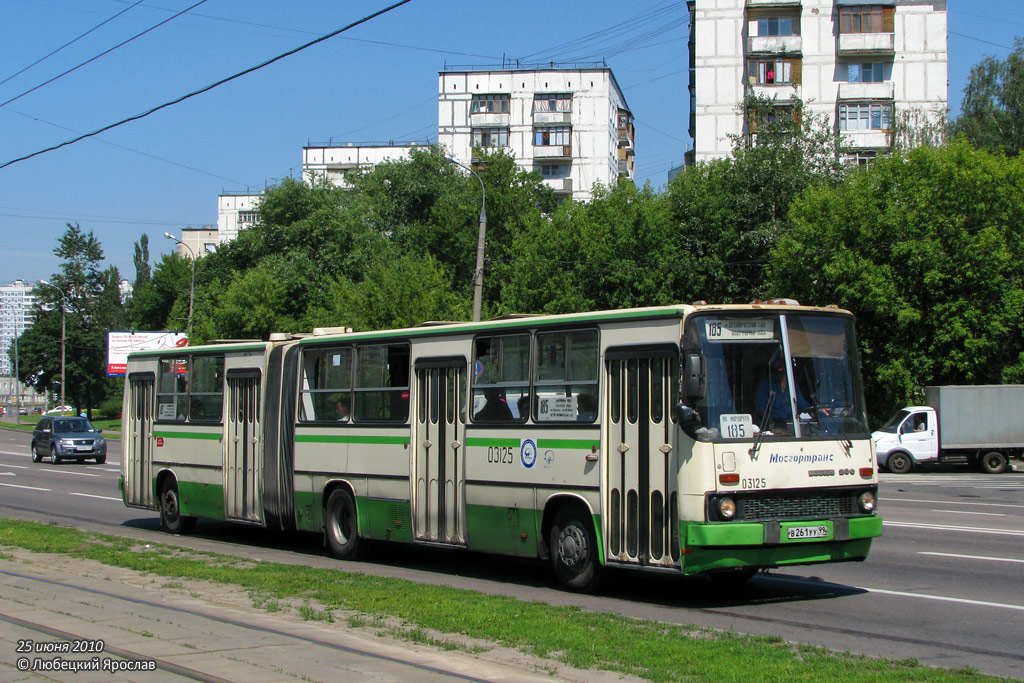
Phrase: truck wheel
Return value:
(899, 463)
(993, 462)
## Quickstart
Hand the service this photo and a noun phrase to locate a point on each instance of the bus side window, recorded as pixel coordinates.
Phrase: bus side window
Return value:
(501, 378)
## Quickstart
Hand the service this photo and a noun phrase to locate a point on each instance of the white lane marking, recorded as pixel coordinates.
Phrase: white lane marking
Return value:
(947, 527)
(80, 474)
(969, 512)
(89, 495)
(16, 486)
(8, 474)
(971, 557)
(943, 598)
(888, 500)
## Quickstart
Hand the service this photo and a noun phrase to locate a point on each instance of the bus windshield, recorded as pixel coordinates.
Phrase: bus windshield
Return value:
(789, 376)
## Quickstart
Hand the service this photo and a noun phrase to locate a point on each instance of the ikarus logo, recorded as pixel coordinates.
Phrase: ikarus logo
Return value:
(528, 453)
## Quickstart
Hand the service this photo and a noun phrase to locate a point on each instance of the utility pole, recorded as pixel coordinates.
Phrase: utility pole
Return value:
(481, 245)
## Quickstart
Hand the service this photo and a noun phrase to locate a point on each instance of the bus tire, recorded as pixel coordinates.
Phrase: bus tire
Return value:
(899, 463)
(993, 462)
(574, 551)
(341, 525)
(171, 518)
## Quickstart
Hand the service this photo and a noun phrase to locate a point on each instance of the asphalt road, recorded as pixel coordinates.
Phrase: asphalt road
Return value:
(943, 585)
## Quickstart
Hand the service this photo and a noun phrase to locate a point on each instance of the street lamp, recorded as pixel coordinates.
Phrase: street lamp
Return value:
(192, 288)
(478, 275)
(63, 338)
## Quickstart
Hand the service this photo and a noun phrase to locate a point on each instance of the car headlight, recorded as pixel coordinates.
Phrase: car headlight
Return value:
(66, 443)
(726, 508)
(866, 502)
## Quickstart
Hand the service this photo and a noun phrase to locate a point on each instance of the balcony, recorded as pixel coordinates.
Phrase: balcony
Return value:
(773, 3)
(559, 185)
(866, 91)
(774, 44)
(625, 167)
(867, 139)
(548, 117)
(774, 92)
(552, 152)
(488, 119)
(867, 43)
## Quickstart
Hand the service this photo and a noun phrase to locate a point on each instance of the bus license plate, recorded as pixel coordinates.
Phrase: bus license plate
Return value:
(807, 532)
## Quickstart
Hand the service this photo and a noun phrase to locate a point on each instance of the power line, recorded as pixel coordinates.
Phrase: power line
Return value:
(70, 42)
(209, 87)
(105, 52)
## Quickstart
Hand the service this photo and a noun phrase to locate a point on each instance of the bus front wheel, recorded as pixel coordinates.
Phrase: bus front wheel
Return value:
(171, 518)
(574, 551)
(341, 525)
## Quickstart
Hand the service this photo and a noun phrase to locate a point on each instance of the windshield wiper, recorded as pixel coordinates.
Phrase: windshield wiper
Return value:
(762, 425)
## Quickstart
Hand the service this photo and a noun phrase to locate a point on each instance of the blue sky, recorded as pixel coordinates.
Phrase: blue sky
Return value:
(376, 82)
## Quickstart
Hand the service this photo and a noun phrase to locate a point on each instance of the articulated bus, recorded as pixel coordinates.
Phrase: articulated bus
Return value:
(683, 439)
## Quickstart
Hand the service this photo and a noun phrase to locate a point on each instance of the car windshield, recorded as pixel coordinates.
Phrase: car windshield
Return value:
(73, 426)
(895, 421)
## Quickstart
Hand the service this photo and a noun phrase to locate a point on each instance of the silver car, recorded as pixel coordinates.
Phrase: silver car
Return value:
(67, 438)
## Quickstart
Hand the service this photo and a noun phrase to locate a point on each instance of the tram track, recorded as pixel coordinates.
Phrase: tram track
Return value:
(190, 672)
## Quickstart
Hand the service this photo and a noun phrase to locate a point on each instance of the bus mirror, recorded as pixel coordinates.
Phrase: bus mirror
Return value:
(693, 376)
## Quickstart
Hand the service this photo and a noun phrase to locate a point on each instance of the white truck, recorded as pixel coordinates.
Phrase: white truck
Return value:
(977, 425)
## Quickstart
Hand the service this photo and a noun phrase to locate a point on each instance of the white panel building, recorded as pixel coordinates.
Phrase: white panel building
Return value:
(235, 211)
(16, 302)
(335, 161)
(571, 125)
(862, 63)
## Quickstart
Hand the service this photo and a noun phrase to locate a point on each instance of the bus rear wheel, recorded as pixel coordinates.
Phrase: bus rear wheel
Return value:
(574, 551)
(171, 518)
(342, 526)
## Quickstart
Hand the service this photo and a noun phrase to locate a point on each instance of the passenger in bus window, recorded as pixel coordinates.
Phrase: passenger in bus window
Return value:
(586, 407)
(495, 409)
(524, 407)
(341, 411)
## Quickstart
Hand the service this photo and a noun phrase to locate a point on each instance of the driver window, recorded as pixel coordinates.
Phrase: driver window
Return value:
(918, 422)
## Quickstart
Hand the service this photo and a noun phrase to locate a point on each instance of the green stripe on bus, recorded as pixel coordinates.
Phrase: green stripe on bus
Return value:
(541, 443)
(494, 443)
(568, 443)
(212, 436)
(350, 438)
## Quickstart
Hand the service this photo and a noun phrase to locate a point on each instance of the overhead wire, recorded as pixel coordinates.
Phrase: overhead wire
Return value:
(72, 41)
(207, 88)
(105, 52)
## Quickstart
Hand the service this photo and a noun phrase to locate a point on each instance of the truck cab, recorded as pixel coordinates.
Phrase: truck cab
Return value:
(910, 437)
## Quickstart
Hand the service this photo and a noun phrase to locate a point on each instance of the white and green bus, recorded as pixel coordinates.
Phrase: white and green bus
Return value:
(662, 439)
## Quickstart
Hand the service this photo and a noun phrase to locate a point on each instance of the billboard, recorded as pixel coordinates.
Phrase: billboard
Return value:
(120, 344)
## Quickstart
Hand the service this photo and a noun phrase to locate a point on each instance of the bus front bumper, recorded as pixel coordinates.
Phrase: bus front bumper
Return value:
(718, 546)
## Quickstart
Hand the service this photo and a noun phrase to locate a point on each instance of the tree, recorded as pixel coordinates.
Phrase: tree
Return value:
(730, 212)
(992, 109)
(88, 299)
(926, 249)
(142, 269)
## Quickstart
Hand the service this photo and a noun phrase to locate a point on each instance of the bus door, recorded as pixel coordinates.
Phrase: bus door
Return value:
(439, 468)
(138, 455)
(242, 446)
(640, 492)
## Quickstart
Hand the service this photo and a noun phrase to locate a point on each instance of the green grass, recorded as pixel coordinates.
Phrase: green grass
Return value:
(587, 640)
(111, 428)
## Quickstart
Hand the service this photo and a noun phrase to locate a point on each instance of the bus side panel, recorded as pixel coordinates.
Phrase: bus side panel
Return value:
(503, 520)
(193, 454)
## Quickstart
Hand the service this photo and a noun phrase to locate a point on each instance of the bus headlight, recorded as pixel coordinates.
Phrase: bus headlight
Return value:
(866, 502)
(726, 508)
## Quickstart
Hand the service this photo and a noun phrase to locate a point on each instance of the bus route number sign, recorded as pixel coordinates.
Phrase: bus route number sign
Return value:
(736, 426)
(717, 330)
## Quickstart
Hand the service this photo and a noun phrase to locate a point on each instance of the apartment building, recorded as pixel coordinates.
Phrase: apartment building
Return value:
(235, 211)
(571, 125)
(16, 301)
(862, 63)
(335, 161)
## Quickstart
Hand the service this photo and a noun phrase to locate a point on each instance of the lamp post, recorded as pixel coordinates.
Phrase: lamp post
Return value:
(478, 275)
(192, 287)
(63, 338)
